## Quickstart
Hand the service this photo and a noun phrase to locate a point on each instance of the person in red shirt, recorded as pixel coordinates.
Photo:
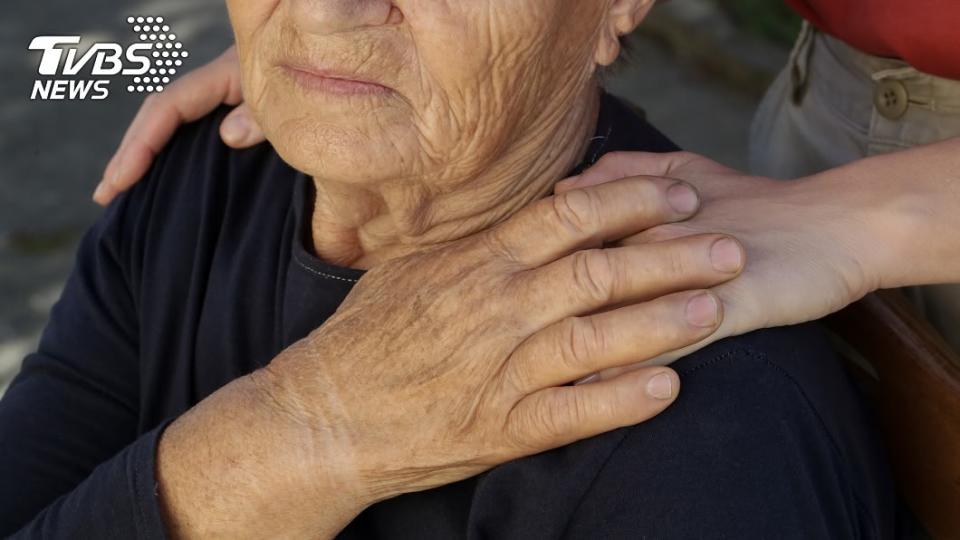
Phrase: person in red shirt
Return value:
(865, 78)
(921, 33)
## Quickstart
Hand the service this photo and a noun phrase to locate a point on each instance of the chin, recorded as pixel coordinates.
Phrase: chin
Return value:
(349, 153)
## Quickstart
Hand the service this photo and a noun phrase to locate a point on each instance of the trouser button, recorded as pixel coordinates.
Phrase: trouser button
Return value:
(891, 98)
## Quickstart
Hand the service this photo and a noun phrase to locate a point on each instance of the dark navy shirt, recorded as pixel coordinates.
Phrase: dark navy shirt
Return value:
(199, 275)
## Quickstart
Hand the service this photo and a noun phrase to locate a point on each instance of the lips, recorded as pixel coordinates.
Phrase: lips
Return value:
(334, 81)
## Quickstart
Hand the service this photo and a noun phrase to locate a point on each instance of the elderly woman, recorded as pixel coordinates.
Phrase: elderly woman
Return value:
(369, 326)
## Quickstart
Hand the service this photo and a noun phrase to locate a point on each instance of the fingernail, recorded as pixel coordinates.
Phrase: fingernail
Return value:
(702, 311)
(683, 198)
(235, 129)
(660, 386)
(726, 255)
(100, 191)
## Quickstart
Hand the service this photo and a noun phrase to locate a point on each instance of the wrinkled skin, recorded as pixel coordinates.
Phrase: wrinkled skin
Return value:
(470, 79)
(449, 361)
(490, 102)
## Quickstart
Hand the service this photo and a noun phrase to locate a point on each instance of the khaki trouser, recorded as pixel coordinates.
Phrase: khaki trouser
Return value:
(833, 104)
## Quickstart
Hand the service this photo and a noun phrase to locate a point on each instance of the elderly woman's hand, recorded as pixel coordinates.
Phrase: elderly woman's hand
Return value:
(187, 99)
(445, 363)
(809, 243)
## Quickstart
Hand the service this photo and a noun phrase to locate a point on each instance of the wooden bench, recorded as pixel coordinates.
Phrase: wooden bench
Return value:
(915, 392)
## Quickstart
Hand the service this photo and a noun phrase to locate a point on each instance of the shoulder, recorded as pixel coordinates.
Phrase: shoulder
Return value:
(196, 188)
(622, 127)
(196, 175)
(626, 128)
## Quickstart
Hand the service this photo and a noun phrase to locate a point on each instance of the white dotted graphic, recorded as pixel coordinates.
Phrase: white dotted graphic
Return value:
(167, 52)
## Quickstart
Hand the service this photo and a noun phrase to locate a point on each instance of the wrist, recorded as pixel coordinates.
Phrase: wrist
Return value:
(316, 460)
(297, 394)
(890, 215)
(362, 459)
(235, 458)
(849, 221)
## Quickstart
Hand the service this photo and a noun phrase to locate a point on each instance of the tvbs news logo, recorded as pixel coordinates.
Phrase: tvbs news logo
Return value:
(148, 64)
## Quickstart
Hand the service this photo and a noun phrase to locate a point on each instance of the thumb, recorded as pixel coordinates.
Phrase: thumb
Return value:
(239, 129)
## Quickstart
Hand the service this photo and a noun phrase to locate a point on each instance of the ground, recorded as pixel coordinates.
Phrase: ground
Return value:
(697, 78)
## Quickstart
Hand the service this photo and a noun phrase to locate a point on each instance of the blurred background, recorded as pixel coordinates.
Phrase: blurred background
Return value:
(697, 67)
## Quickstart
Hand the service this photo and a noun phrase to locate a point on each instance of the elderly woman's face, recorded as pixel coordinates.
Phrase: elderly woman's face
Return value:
(379, 90)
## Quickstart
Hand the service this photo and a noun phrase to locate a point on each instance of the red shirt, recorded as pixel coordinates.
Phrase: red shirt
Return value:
(924, 33)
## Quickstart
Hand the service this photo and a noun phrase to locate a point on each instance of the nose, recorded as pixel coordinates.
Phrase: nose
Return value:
(333, 16)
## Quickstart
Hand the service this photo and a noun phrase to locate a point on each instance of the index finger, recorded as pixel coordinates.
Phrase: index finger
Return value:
(559, 225)
(616, 165)
(185, 100)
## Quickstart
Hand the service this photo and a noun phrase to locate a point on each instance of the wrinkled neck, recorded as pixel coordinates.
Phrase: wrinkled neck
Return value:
(362, 226)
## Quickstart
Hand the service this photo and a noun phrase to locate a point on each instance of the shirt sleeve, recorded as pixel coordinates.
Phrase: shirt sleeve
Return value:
(71, 463)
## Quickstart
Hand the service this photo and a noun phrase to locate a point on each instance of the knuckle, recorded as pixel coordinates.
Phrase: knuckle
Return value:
(228, 55)
(575, 210)
(518, 378)
(568, 410)
(649, 199)
(498, 247)
(582, 339)
(609, 159)
(621, 157)
(151, 101)
(646, 187)
(668, 328)
(518, 432)
(676, 262)
(684, 157)
(593, 275)
(641, 197)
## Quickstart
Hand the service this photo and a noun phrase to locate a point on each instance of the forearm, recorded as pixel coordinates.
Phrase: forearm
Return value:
(237, 466)
(906, 209)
